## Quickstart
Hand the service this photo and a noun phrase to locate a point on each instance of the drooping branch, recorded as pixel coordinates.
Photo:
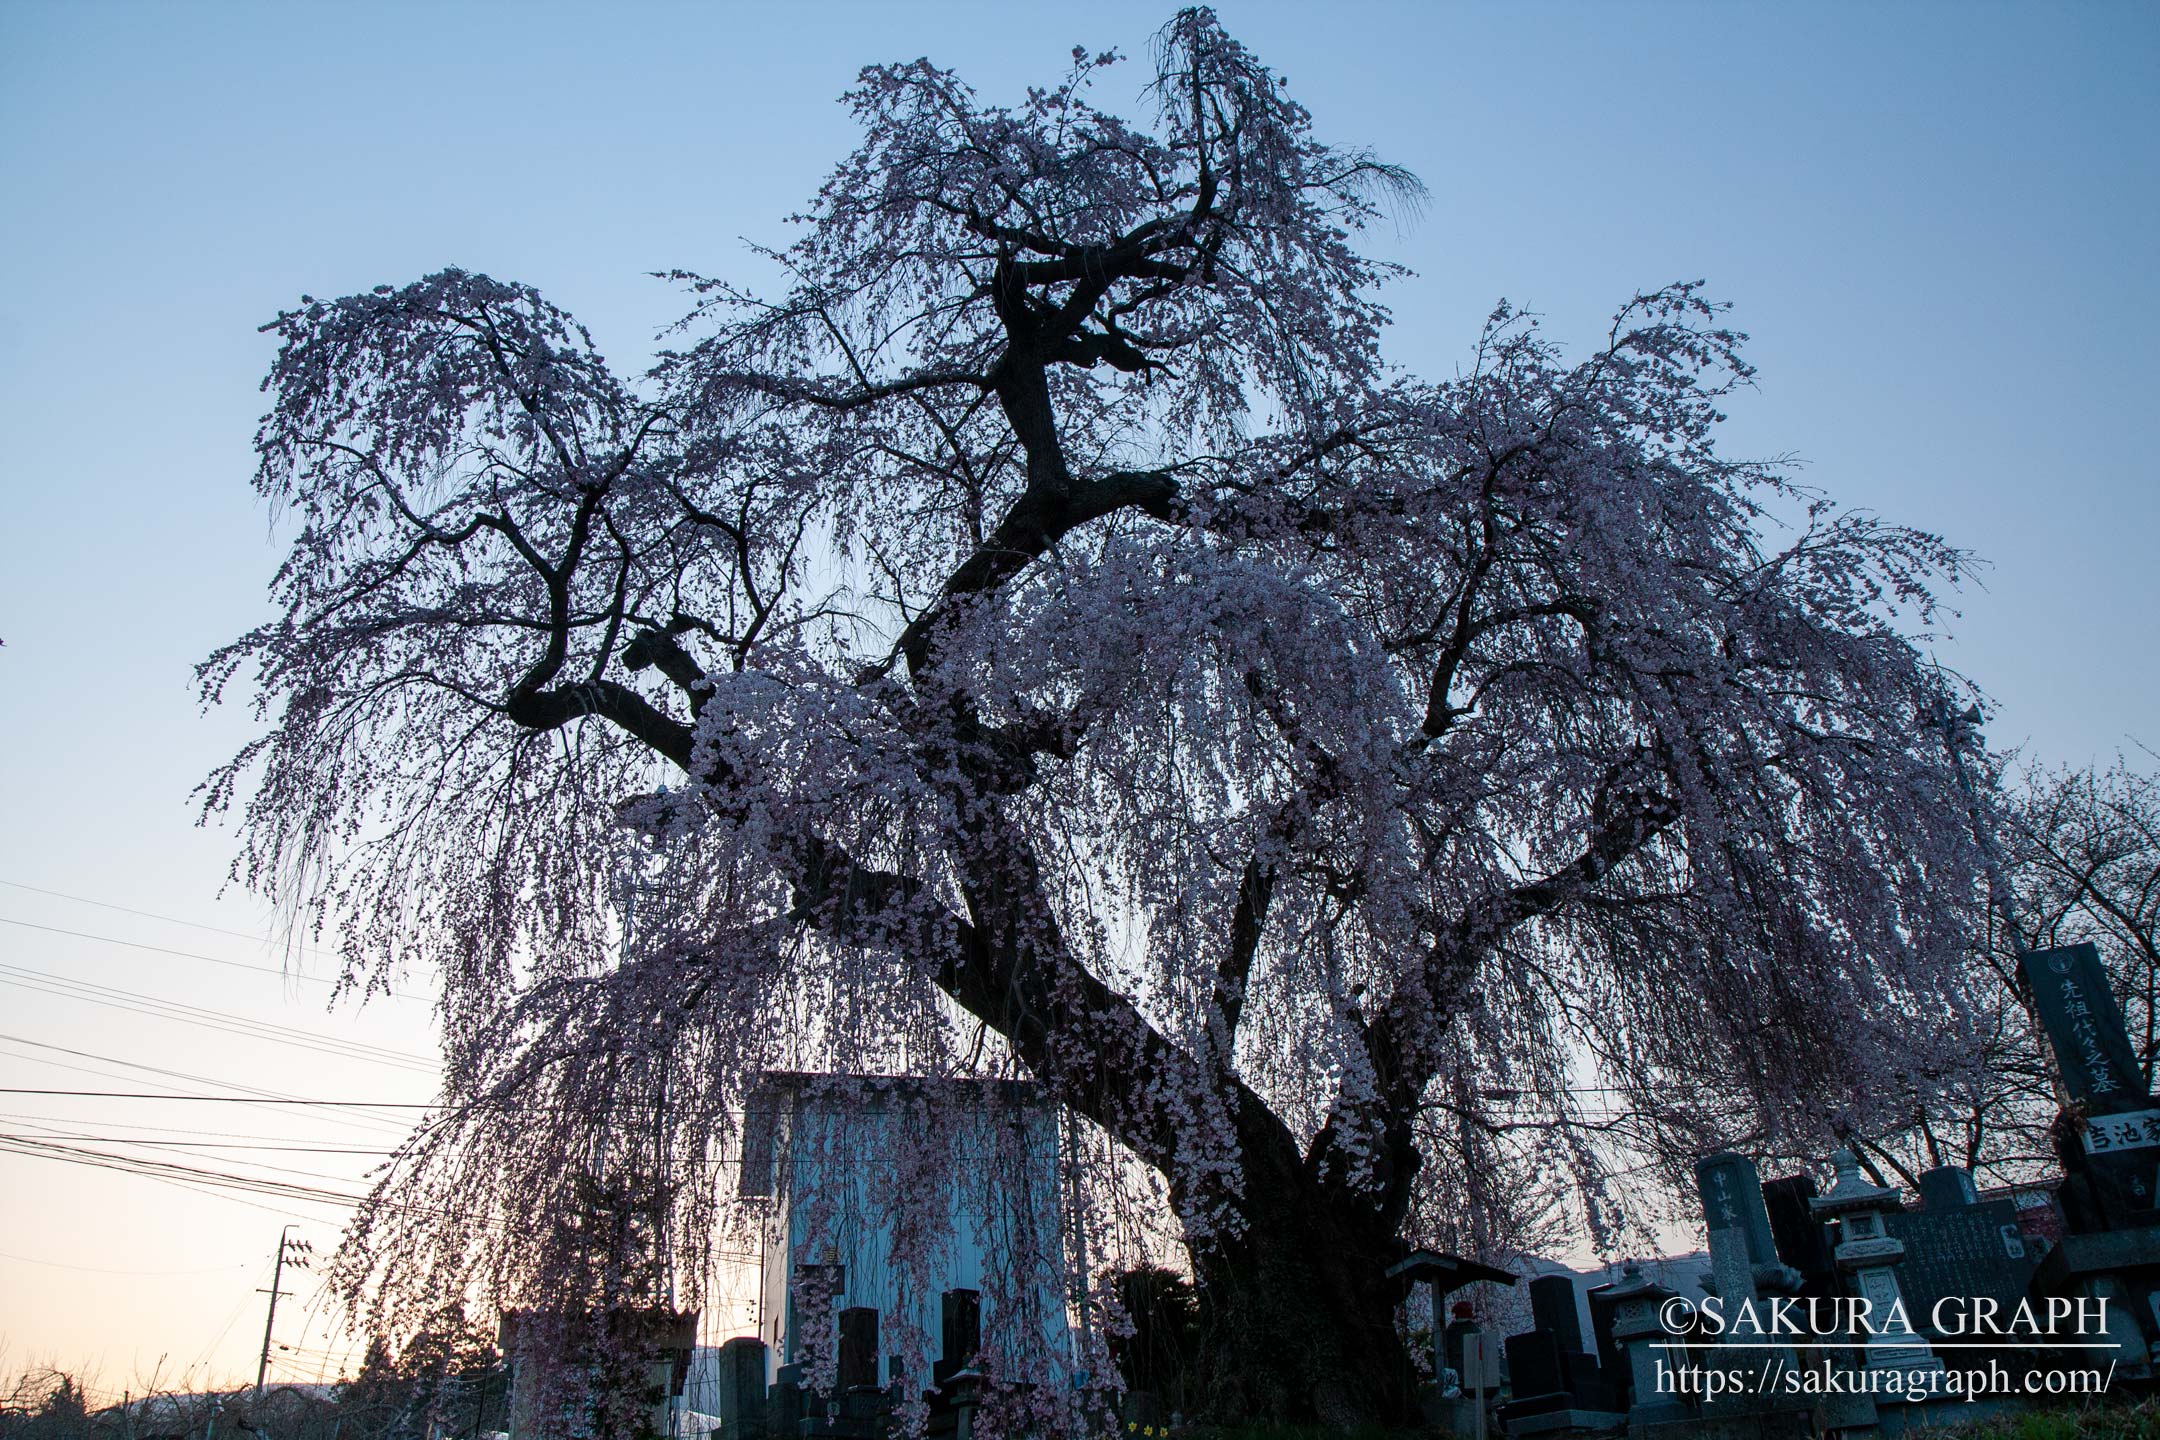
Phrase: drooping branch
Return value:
(1403, 1043)
(1248, 923)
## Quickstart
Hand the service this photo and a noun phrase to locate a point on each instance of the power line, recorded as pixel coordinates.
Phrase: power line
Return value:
(282, 974)
(291, 1100)
(224, 1021)
(194, 1130)
(153, 915)
(218, 1144)
(48, 1141)
(186, 1176)
(195, 1177)
(371, 1123)
(249, 1092)
(225, 1099)
(215, 1013)
(102, 1270)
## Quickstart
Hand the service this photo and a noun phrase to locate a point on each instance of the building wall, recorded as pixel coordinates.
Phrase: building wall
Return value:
(912, 1188)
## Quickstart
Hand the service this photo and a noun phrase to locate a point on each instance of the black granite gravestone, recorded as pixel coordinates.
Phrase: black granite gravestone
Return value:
(1802, 1241)
(1548, 1377)
(787, 1405)
(1610, 1361)
(2113, 1156)
(1553, 1309)
(2093, 1054)
(959, 1334)
(1586, 1380)
(2109, 1136)
(858, 1348)
(1965, 1252)
(1533, 1361)
(1946, 1187)
(742, 1387)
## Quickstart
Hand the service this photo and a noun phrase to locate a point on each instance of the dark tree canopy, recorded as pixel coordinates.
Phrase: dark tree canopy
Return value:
(1045, 636)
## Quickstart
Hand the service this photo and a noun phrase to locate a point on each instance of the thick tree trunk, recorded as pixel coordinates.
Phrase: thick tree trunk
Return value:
(1298, 1312)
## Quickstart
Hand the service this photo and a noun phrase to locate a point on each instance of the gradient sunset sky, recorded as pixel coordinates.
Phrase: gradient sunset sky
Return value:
(1936, 220)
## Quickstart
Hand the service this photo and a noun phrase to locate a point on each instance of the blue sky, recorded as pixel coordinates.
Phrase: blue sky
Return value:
(1937, 221)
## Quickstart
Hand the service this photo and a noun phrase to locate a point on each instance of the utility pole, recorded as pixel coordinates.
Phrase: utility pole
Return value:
(299, 1249)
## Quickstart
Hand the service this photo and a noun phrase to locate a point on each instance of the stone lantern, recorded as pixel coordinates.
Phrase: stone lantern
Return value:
(1638, 1328)
(1869, 1256)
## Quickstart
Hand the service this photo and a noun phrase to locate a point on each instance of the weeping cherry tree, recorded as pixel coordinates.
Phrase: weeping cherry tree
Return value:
(1039, 635)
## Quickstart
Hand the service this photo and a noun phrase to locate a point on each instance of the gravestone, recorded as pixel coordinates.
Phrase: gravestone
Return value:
(858, 1349)
(1555, 1386)
(1802, 1241)
(1744, 1261)
(787, 1404)
(1746, 1274)
(2113, 1167)
(2116, 1160)
(1744, 1267)
(2108, 1139)
(1609, 1355)
(959, 1334)
(1585, 1378)
(1553, 1309)
(1958, 1246)
(2093, 1053)
(742, 1388)
(1533, 1364)
(1947, 1187)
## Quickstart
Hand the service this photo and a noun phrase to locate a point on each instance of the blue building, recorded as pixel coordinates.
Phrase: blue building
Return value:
(935, 1206)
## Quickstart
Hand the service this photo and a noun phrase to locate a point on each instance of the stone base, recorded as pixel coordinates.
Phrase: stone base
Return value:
(1546, 1421)
(2097, 1253)
(1847, 1412)
(1457, 1416)
(1934, 1416)
(1732, 1425)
